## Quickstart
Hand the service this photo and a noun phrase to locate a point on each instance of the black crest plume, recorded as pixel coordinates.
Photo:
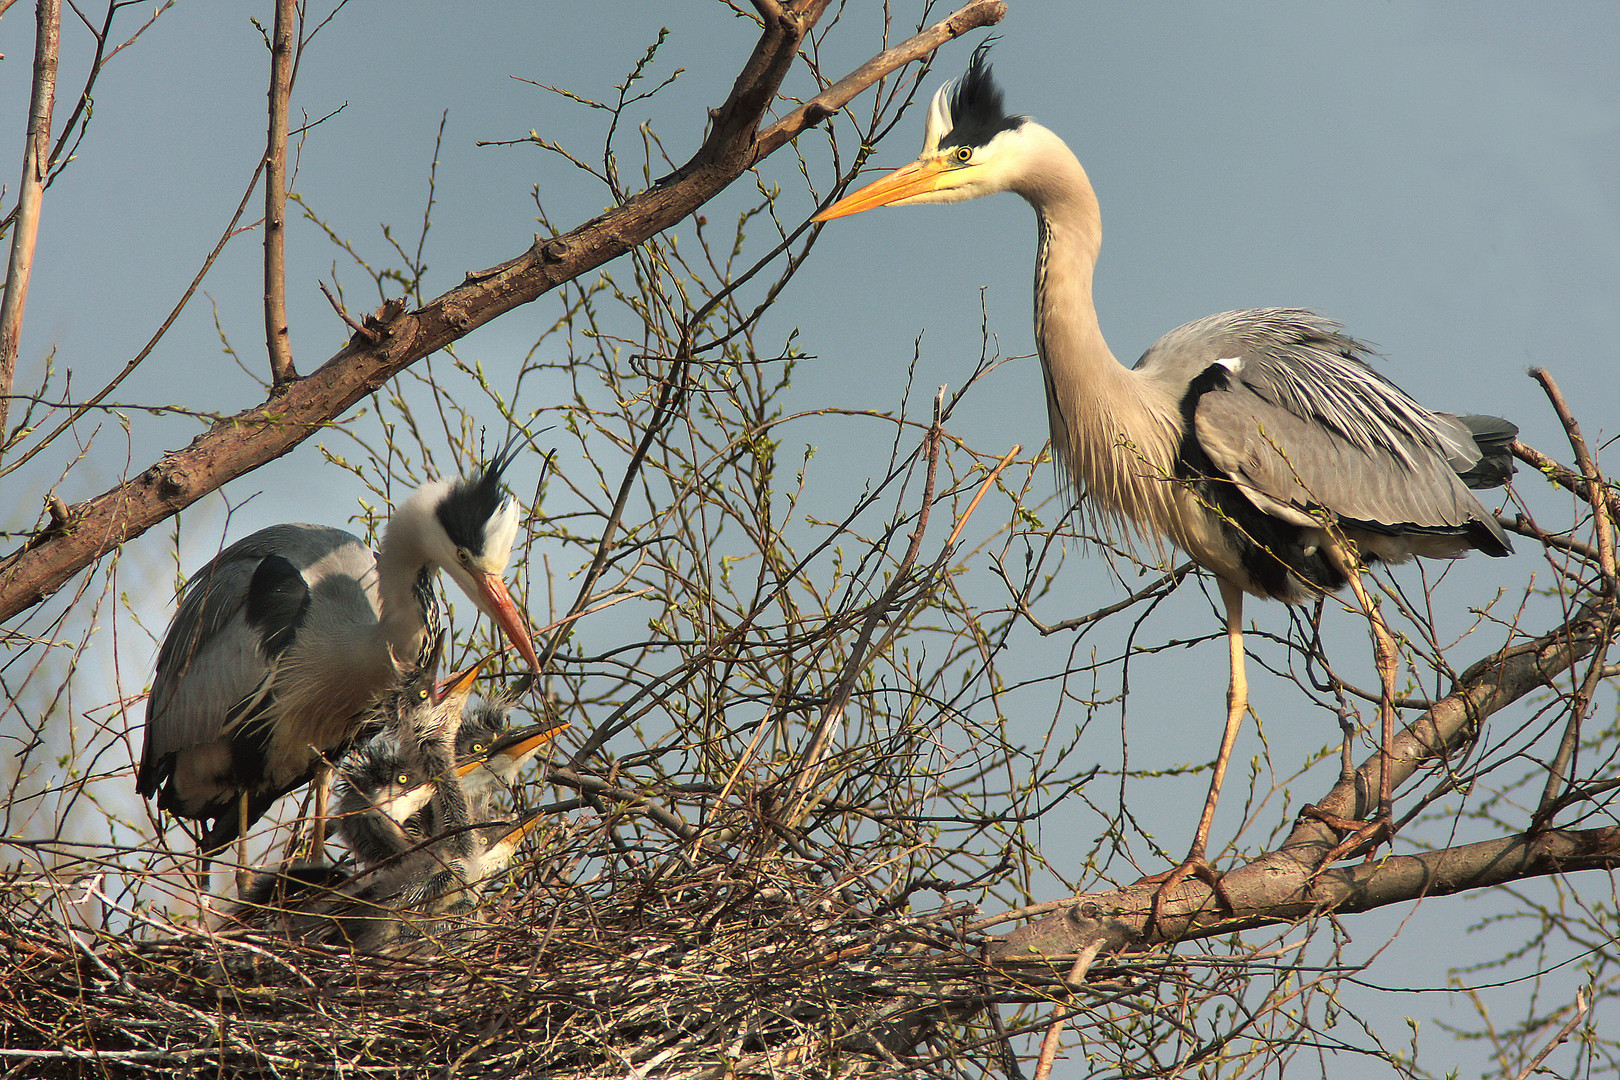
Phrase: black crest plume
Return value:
(978, 110)
(474, 499)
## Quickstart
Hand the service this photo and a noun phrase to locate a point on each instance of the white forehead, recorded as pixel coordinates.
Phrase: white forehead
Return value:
(499, 534)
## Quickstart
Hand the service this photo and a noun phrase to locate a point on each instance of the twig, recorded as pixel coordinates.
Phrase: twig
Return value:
(961, 522)
(1596, 490)
(1563, 1033)
(30, 196)
(1558, 474)
(1054, 1033)
(365, 332)
(276, 337)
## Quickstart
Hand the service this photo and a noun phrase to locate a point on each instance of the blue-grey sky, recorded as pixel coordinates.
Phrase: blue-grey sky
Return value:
(1443, 178)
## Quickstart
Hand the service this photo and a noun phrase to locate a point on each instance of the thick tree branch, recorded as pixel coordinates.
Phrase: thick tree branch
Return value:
(1279, 891)
(1288, 884)
(255, 436)
(30, 196)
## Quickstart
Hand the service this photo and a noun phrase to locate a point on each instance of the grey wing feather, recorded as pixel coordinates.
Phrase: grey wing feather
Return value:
(1292, 412)
(1295, 469)
(1305, 365)
(211, 658)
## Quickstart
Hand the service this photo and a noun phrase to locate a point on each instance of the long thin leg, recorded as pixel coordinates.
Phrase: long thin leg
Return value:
(1381, 826)
(323, 784)
(1237, 704)
(243, 874)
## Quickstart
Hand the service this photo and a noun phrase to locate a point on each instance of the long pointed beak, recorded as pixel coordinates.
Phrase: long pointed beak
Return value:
(502, 849)
(520, 744)
(503, 759)
(459, 686)
(918, 178)
(498, 602)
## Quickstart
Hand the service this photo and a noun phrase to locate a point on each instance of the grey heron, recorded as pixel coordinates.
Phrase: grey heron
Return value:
(1257, 441)
(281, 642)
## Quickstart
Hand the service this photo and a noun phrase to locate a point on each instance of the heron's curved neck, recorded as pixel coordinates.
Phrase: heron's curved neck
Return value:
(1098, 408)
(403, 567)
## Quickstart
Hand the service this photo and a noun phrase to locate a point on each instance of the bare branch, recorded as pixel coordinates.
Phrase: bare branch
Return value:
(1278, 889)
(265, 432)
(277, 339)
(1595, 492)
(1287, 883)
(1557, 1040)
(835, 97)
(36, 166)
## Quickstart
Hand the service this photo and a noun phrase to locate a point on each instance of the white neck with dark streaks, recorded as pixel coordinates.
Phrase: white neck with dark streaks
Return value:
(400, 563)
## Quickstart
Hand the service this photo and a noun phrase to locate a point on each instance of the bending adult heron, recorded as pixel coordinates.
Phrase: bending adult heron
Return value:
(1257, 441)
(282, 641)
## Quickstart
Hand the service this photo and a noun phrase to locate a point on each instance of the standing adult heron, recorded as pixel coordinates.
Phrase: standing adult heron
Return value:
(1257, 441)
(282, 641)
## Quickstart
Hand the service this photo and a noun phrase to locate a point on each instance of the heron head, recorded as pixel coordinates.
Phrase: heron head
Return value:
(971, 147)
(470, 528)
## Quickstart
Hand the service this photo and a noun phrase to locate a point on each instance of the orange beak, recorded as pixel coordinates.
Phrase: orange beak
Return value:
(918, 178)
(460, 685)
(515, 747)
(498, 602)
(508, 843)
(520, 744)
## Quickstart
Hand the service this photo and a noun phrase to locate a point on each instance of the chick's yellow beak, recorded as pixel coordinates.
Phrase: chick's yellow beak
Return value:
(459, 686)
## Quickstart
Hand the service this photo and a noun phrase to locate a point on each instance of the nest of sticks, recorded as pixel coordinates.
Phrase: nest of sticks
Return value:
(591, 957)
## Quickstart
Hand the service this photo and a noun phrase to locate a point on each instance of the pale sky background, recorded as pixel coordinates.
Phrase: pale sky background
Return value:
(1443, 178)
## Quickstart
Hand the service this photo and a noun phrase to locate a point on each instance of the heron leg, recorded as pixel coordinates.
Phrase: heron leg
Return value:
(244, 876)
(1196, 864)
(1381, 826)
(323, 784)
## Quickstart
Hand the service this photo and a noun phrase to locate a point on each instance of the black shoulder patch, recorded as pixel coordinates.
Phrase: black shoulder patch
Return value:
(978, 112)
(473, 501)
(277, 601)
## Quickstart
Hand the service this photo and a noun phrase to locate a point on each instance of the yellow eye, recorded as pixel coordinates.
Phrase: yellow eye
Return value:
(964, 153)
(402, 779)
(478, 748)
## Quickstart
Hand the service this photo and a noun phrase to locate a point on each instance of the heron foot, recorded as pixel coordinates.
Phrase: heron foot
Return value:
(1193, 866)
(1374, 833)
